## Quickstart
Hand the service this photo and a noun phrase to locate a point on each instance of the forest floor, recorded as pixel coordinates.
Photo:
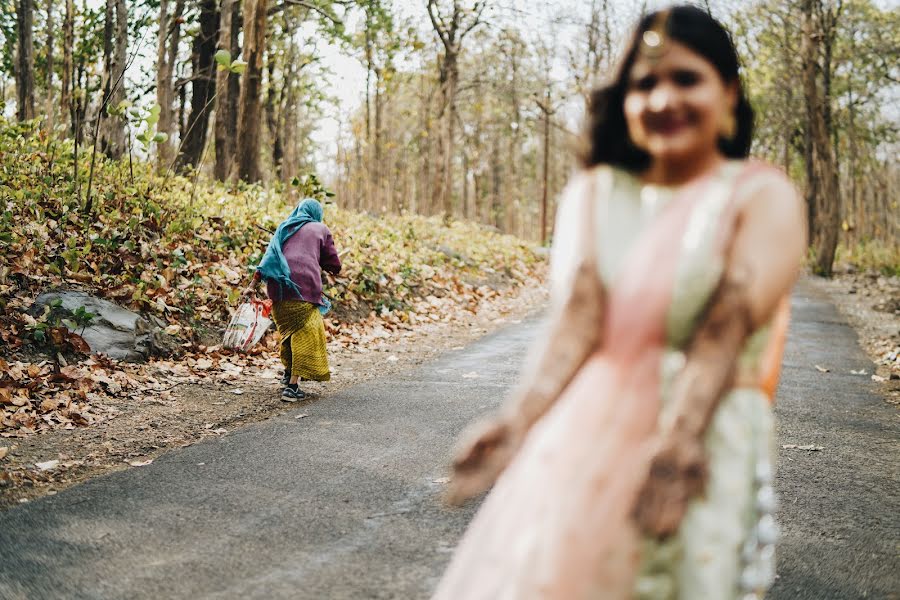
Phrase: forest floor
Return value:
(208, 400)
(871, 303)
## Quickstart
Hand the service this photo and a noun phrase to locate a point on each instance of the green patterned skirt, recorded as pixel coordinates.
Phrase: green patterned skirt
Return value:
(302, 332)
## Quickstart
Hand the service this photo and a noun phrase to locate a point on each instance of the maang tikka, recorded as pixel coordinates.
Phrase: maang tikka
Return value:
(653, 40)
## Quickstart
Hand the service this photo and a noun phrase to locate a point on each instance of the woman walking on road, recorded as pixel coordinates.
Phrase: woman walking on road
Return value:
(635, 461)
(292, 266)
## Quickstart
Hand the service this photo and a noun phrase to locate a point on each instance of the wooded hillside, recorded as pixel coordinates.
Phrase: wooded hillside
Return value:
(467, 109)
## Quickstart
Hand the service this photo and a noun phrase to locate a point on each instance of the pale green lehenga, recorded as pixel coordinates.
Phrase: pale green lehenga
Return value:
(736, 510)
(557, 523)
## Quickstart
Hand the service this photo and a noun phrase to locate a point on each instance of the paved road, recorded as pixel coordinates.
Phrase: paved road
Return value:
(344, 503)
(840, 512)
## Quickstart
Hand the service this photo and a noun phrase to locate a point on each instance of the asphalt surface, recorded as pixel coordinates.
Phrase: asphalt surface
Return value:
(344, 502)
(840, 506)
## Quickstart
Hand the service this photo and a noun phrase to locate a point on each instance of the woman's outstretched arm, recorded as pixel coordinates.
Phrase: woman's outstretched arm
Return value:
(328, 255)
(573, 331)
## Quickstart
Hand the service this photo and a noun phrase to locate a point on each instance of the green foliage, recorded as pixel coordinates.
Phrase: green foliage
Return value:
(309, 186)
(862, 84)
(7, 36)
(148, 119)
(871, 256)
(54, 329)
(80, 319)
(224, 62)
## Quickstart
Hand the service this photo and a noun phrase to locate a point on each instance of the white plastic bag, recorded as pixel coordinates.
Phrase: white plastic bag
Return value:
(248, 326)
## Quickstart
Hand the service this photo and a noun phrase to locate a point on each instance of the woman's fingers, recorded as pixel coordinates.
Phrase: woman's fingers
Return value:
(481, 457)
(677, 474)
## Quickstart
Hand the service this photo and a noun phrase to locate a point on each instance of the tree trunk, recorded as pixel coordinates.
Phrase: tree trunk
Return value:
(546, 173)
(228, 87)
(502, 217)
(451, 29)
(171, 60)
(246, 163)
(182, 103)
(164, 89)
(285, 145)
(25, 60)
(115, 33)
(378, 144)
(290, 163)
(444, 188)
(65, 97)
(423, 194)
(271, 116)
(822, 193)
(79, 103)
(50, 106)
(203, 85)
(810, 96)
(497, 210)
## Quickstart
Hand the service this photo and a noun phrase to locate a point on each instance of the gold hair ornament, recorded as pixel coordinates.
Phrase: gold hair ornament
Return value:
(654, 38)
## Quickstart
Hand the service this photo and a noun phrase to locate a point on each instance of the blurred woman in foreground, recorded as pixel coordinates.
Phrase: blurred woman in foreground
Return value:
(635, 461)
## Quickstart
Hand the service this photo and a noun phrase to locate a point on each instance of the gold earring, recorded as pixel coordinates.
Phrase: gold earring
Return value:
(728, 127)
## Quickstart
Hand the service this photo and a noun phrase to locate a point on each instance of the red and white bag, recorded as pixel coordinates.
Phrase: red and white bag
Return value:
(249, 324)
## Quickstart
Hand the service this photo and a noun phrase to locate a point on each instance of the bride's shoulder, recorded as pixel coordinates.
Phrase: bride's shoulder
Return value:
(755, 174)
(767, 193)
(595, 180)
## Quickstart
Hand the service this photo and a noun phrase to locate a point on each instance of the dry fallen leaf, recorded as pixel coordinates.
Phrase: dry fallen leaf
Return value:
(203, 364)
(304, 415)
(4, 450)
(822, 369)
(878, 379)
(808, 447)
(139, 463)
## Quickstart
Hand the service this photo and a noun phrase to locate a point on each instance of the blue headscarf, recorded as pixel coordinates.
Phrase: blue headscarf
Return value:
(274, 266)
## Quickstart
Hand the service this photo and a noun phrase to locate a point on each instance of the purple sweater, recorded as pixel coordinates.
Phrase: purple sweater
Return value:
(307, 252)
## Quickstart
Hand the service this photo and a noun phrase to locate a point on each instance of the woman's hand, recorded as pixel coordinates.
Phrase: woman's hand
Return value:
(485, 450)
(677, 474)
(249, 292)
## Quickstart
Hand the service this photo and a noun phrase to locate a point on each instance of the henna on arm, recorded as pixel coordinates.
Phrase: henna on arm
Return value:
(712, 360)
(575, 330)
(769, 239)
(678, 469)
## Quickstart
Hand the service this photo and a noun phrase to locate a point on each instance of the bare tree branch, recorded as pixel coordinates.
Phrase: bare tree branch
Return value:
(307, 5)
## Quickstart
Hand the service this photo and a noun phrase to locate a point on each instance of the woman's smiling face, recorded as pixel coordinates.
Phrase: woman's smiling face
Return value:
(675, 104)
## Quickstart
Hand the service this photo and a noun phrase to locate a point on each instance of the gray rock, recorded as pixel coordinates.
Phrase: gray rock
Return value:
(114, 331)
(453, 254)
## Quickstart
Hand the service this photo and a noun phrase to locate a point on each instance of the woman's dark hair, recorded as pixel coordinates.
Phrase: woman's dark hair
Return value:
(608, 141)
